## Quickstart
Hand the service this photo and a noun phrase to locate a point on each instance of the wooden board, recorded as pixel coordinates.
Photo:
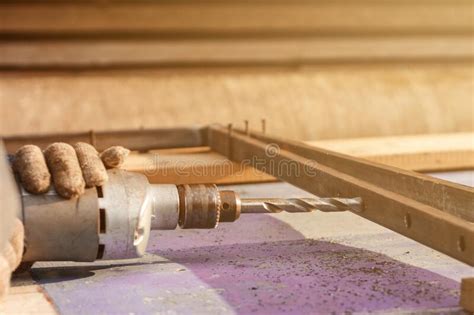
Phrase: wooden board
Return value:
(467, 294)
(310, 103)
(191, 168)
(229, 51)
(26, 297)
(143, 33)
(418, 153)
(381, 61)
(239, 16)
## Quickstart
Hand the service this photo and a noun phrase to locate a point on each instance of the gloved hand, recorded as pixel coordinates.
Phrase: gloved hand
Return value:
(70, 168)
(10, 256)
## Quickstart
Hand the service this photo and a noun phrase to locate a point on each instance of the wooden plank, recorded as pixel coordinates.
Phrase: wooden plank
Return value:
(422, 222)
(26, 297)
(170, 167)
(428, 161)
(235, 16)
(312, 103)
(416, 152)
(192, 167)
(30, 303)
(411, 144)
(467, 294)
(230, 51)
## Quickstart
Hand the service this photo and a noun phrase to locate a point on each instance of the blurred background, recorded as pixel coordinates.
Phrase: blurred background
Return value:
(314, 69)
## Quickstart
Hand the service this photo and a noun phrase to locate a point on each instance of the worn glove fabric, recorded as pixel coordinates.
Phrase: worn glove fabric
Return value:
(71, 169)
(10, 257)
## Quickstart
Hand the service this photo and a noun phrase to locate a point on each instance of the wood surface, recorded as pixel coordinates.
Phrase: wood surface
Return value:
(238, 16)
(228, 51)
(467, 294)
(128, 34)
(420, 153)
(314, 69)
(192, 168)
(309, 103)
(26, 297)
(412, 207)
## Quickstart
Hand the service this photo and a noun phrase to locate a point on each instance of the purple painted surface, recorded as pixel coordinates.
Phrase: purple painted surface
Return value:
(299, 277)
(259, 266)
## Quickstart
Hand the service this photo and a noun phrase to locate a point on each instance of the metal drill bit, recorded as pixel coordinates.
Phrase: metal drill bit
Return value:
(276, 205)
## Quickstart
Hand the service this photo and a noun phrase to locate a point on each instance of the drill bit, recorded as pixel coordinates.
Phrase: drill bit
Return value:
(276, 205)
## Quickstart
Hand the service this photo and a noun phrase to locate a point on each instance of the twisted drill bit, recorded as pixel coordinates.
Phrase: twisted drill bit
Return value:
(276, 205)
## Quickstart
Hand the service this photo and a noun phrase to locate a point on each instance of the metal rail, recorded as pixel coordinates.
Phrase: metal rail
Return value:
(139, 140)
(441, 194)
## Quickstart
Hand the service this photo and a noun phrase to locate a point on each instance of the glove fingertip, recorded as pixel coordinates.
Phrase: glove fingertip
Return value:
(65, 169)
(92, 167)
(30, 164)
(114, 157)
(97, 178)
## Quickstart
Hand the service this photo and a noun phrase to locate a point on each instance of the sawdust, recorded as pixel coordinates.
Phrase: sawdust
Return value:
(310, 274)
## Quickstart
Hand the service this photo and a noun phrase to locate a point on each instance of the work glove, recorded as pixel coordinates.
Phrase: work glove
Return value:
(10, 256)
(70, 169)
(11, 228)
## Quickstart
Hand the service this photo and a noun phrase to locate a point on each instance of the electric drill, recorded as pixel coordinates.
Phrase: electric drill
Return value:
(114, 221)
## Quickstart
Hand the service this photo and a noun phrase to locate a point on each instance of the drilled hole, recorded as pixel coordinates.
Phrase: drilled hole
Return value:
(100, 193)
(102, 221)
(226, 206)
(100, 251)
(407, 220)
(461, 244)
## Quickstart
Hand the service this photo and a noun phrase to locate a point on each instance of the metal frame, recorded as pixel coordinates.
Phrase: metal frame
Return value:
(138, 140)
(434, 212)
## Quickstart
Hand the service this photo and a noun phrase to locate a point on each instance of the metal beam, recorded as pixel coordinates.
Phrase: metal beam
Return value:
(446, 196)
(139, 140)
(419, 221)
